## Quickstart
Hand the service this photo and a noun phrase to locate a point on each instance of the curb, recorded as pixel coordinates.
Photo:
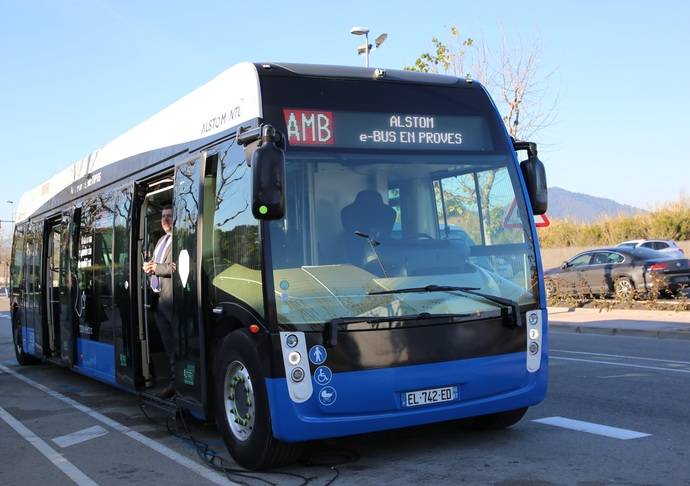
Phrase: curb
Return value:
(613, 331)
(559, 310)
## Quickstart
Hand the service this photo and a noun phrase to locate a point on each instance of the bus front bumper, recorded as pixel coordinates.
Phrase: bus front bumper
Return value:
(372, 400)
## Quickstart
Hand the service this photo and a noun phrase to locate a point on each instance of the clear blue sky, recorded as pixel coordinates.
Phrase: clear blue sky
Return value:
(75, 74)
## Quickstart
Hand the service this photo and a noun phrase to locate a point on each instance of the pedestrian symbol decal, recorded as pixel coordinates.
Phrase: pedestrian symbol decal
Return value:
(323, 375)
(327, 396)
(317, 354)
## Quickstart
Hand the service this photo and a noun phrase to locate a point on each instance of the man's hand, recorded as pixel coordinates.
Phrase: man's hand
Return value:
(149, 267)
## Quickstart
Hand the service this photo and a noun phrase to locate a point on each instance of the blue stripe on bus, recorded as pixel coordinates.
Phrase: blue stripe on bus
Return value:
(371, 400)
(29, 340)
(96, 360)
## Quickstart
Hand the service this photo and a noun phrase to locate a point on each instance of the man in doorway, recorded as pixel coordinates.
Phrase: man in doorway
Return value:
(160, 269)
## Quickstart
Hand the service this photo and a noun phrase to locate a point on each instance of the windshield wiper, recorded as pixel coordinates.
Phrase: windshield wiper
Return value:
(373, 244)
(506, 303)
(330, 331)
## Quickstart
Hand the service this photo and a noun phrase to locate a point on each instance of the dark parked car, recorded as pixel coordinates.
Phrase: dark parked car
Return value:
(621, 271)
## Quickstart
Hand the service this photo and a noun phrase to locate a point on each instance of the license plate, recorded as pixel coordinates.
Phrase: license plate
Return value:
(430, 396)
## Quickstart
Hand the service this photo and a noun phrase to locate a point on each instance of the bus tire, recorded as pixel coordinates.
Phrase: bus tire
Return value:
(23, 358)
(241, 406)
(496, 421)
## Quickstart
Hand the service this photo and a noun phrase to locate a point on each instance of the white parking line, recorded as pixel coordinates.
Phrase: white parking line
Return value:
(620, 356)
(193, 466)
(617, 363)
(592, 428)
(72, 472)
(80, 436)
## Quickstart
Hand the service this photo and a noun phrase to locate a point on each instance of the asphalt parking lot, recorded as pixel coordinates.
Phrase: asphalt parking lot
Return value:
(615, 413)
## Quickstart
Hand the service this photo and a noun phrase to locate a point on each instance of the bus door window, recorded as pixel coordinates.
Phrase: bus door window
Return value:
(17, 276)
(234, 263)
(94, 299)
(33, 306)
(55, 283)
(122, 317)
(185, 320)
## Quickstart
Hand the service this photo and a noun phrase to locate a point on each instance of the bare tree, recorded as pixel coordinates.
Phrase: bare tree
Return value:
(511, 76)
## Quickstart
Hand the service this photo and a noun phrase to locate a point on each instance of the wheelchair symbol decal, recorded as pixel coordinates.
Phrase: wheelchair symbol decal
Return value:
(323, 375)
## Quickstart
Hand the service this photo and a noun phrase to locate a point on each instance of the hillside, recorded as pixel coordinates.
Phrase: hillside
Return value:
(574, 206)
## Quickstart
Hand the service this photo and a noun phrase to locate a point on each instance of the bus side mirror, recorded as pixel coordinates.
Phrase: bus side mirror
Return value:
(535, 177)
(268, 177)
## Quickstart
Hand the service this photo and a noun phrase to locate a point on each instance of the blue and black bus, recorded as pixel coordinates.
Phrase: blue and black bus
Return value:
(354, 251)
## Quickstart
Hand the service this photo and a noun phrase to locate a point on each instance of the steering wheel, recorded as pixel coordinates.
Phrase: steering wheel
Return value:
(420, 236)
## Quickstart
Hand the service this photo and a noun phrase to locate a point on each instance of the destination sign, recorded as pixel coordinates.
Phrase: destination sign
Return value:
(386, 130)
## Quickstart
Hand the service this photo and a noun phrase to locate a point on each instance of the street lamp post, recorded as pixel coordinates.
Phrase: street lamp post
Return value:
(366, 48)
(7, 263)
(11, 203)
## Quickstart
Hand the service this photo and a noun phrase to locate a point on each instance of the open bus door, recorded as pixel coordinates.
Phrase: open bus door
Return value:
(190, 361)
(69, 246)
(150, 197)
(32, 328)
(58, 309)
(182, 189)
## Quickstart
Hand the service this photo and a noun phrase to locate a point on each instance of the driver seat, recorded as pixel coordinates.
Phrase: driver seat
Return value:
(367, 214)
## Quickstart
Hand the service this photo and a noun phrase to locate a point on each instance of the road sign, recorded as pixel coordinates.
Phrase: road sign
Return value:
(541, 221)
(512, 218)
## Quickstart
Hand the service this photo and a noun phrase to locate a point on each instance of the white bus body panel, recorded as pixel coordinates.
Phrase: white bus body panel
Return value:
(231, 98)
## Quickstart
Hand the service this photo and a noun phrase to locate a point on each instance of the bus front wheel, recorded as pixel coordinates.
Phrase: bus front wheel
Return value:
(241, 404)
(496, 421)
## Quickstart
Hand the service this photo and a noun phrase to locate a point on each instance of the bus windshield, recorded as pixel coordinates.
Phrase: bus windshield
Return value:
(357, 224)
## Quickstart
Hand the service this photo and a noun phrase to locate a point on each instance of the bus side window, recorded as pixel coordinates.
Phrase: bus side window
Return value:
(95, 268)
(235, 245)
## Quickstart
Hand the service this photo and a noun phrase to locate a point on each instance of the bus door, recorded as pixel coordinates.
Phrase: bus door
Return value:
(32, 332)
(151, 197)
(69, 244)
(190, 362)
(124, 289)
(55, 285)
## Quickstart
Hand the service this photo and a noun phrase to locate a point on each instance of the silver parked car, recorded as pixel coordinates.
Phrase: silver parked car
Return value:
(668, 247)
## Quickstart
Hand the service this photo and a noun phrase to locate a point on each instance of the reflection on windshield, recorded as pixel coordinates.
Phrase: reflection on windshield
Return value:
(362, 224)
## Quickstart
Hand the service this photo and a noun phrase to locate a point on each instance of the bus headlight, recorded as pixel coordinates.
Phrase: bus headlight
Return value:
(534, 333)
(533, 348)
(294, 358)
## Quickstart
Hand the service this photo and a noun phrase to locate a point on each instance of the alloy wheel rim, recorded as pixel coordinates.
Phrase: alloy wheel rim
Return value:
(238, 393)
(624, 288)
